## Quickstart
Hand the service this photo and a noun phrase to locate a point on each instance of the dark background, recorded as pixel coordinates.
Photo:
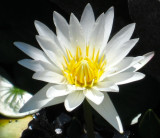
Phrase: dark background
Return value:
(17, 24)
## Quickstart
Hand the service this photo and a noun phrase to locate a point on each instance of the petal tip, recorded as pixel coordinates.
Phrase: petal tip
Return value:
(16, 43)
(20, 61)
(111, 8)
(120, 127)
(151, 54)
(37, 37)
(66, 105)
(140, 75)
(88, 5)
(135, 40)
(55, 13)
(132, 26)
(37, 23)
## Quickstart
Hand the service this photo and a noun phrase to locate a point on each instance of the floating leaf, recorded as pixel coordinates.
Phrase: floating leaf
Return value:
(12, 99)
(13, 128)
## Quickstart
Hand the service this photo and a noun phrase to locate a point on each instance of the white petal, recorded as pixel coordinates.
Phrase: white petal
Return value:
(125, 64)
(97, 35)
(125, 77)
(73, 100)
(118, 54)
(44, 31)
(51, 67)
(62, 30)
(49, 76)
(87, 21)
(106, 86)
(31, 64)
(135, 119)
(37, 101)
(145, 60)
(74, 87)
(109, 15)
(94, 95)
(137, 76)
(131, 69)
(121, 37)
(37, 65)
(107, 110)
(54, 101)
(57, 90)
(53, 52)
(31, 51)
(76, 33)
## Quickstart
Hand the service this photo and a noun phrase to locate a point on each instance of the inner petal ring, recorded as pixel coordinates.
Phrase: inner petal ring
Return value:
(83, 71)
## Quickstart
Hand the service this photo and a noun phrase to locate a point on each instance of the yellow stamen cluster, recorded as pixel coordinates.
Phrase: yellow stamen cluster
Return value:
(83, 71)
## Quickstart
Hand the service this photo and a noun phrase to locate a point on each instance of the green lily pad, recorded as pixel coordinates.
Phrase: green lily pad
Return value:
(13, 128)
(149, 126)
(12, 99)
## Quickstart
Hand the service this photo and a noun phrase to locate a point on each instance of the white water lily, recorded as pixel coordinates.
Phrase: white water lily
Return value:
(12, 99)
(79, 62)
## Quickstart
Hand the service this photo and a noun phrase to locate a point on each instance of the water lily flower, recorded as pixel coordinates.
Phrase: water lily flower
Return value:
(12, 99)
(79, 62)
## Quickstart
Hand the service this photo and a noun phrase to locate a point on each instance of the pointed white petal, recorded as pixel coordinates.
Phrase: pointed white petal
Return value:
(54, 101)
(97, 35)
(109, 15)
(118, 54)
(37, 65)
(31, 51)
(74, 87)
(87, 21)
(106, 86)
(107, 110)
(62, 30)
(31, 64)
(145, 60)
(137, 76)
(125, 77)
(44, 31)
(51, 67)
(53, 52)
(121, 37)
(37, 101)
(135, 119)
(125, 64)
(49, 76)
(94, 95)
(73, 100)
(76, 33)
(57, 90)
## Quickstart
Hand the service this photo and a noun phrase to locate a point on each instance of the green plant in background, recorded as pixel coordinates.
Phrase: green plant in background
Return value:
(149, 125)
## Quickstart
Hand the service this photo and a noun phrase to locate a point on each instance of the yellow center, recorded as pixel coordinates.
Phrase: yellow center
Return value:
(83, 71)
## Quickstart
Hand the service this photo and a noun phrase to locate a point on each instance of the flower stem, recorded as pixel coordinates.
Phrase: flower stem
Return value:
(88, 119)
